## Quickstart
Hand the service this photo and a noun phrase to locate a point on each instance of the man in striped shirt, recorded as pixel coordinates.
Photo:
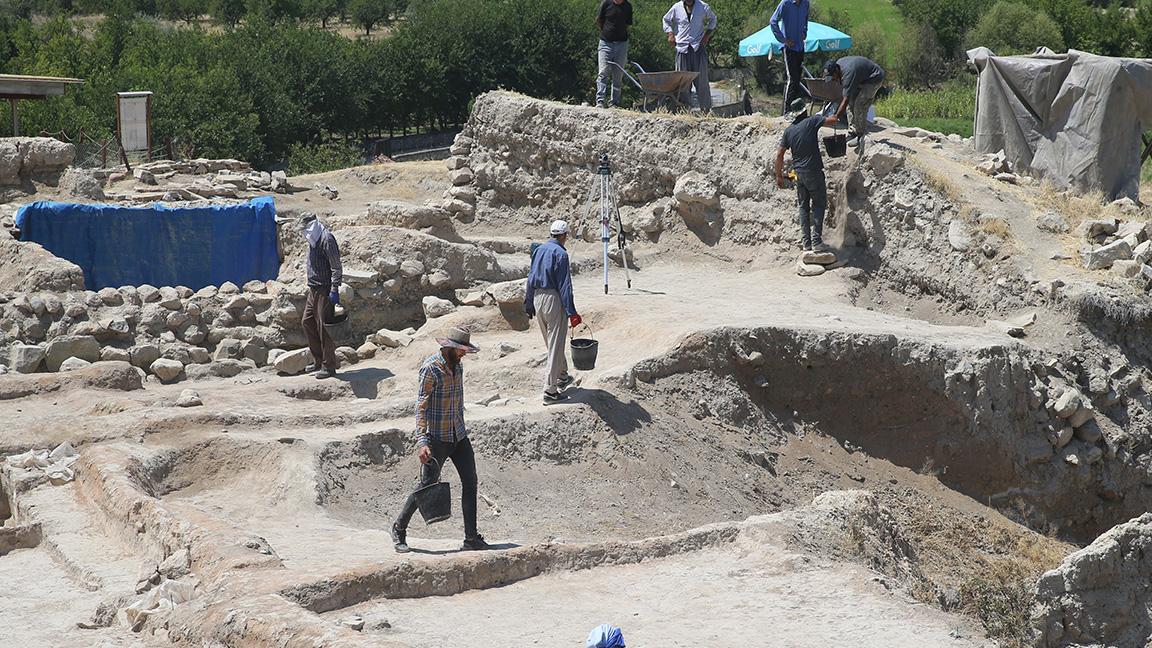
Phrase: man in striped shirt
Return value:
(440, 435)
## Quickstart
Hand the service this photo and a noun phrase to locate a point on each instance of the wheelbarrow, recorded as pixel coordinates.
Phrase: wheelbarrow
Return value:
(660, 88)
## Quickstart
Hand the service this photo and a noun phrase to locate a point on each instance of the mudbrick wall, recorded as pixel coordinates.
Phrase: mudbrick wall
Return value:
(710, 184)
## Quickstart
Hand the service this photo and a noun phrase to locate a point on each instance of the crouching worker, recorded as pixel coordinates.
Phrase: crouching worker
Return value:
(803, 139)
(440, 435)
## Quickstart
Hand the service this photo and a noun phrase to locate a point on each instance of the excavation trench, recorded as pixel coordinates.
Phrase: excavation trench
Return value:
(955, 409)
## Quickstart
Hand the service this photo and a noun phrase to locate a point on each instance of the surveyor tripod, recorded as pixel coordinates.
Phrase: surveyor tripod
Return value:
(602, 203)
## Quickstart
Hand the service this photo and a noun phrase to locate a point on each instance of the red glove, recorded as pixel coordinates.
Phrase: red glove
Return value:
(575, 321)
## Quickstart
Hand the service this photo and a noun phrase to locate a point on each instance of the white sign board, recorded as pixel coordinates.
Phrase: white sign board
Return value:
(134, 120)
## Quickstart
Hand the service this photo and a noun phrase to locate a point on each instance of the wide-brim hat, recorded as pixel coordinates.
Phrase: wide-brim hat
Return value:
(458, 339)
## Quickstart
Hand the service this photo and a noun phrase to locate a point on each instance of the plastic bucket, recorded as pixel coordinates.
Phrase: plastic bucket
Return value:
(584, 351)
(435, 501)
(836, 145)
(338, 328)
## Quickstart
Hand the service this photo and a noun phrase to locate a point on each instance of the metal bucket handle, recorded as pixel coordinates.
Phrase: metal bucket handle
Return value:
(572, 331)
(439, 468)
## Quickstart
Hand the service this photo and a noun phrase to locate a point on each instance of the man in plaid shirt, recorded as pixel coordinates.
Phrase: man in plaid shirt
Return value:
(440, 435)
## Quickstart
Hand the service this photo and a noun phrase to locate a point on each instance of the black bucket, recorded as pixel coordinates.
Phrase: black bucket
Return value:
(836, 145)
(584, 351)
(435, 501)
(338, 328)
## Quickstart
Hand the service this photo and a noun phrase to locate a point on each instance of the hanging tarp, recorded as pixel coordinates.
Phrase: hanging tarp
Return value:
(158, 245)
(1074, 119)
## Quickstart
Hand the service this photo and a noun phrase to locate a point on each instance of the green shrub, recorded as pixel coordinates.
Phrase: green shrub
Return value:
(918, 59)
(321, 158)
(1014, 28)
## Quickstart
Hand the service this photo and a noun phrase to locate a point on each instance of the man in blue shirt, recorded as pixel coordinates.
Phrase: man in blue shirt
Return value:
(802, 138)
(790, 26)
(549, 294)
(689, 25)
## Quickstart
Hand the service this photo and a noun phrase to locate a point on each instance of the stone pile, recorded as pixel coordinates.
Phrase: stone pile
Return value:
(1122, 246)
(169, 332)
(460, 199)
(211, 180)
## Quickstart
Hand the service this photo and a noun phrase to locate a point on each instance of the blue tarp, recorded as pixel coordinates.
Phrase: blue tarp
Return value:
(820, 38)
(158, 245)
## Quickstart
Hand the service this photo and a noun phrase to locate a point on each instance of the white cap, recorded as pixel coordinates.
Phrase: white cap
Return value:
(559, 227)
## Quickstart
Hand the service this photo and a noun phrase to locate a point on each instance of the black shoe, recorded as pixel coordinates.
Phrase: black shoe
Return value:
(476, 544)
(400, 539)
(564, 382)
(550, 397)
(325, 373)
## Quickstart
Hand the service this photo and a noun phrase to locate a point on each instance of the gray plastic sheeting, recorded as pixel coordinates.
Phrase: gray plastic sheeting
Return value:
(1074, 119)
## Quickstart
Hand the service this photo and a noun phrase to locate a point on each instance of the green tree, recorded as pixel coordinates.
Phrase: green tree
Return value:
(1014, 28)
(368, 13)
(274, 10)
(919, 61)
(186, 10)
(948, 19)
(227, 12)
(323, 10)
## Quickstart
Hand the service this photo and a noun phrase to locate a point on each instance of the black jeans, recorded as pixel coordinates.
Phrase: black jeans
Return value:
(794, 64)
(465, 461)
(812, 198)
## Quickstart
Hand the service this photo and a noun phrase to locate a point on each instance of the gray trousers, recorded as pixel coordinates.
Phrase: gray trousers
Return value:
(696, 61)
(550, 314)
(812, 198)
(610, 74)
(858, 107)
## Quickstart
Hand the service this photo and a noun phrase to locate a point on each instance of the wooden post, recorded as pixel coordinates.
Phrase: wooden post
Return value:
(15, 118)
(123, 154)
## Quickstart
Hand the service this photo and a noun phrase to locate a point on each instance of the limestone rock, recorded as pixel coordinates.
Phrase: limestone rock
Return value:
(111, 296)
(166, 370)
(439, 279)
(391, 339)
(347, 355)
(509, 293)
(473, 298)
(1090, 229)
(228, 349)
(71, 346)
(694, 188)
(1053, 223)
(960, 236)
(1126, 268)
(435, 307)
(411, 268)
(1104, 256)
(1067, 404)
(460, 177)
(1143, 252)
(71, 364)
(366, 351)
(113, 354)
(293, 362)
(169, 298)
(143, 355)
(883, 159)
(25, 358)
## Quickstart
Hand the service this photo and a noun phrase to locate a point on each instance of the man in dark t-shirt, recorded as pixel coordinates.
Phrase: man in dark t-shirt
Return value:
(803, 139)
(613, 20)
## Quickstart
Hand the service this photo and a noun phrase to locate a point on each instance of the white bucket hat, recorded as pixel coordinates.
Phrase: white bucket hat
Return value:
(559, 227)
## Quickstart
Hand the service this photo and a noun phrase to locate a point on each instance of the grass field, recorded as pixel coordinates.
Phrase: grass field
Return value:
(947, 109)
(867, 12)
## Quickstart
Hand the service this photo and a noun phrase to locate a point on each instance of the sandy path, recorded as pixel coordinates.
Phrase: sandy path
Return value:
(720, 597)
